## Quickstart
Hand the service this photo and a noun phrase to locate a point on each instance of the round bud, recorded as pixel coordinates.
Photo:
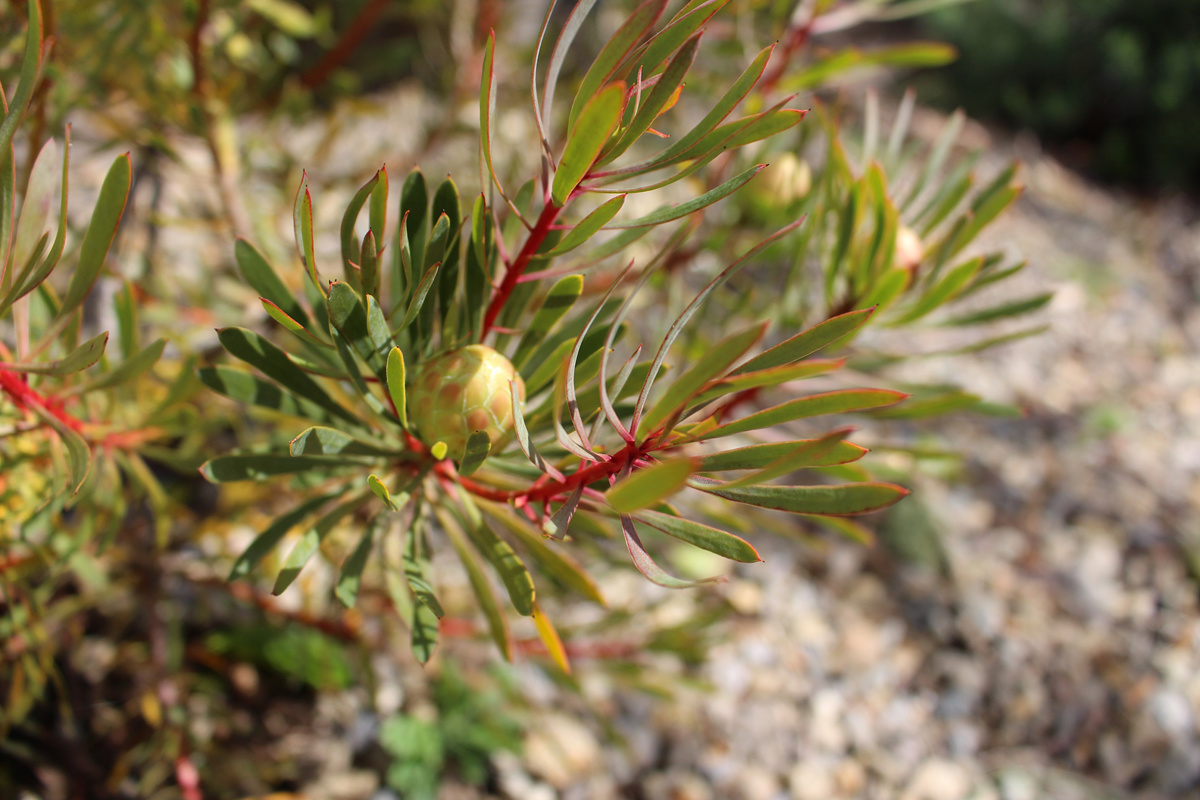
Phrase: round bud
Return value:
(464, 391)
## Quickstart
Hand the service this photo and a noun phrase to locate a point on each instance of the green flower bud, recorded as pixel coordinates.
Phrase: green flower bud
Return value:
(464, 391)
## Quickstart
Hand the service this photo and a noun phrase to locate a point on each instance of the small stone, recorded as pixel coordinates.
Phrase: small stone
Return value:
(560, 750)
(811, 780)
(938, 779)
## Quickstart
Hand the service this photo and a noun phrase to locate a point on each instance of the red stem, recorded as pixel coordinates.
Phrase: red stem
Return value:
(537, 235)
(23, 396)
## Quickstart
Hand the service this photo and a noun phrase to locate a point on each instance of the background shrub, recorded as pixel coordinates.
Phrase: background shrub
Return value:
(1116, 81)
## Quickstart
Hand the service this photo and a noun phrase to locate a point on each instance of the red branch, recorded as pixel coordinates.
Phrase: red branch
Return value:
(546, 488)
(537, 235)
(24, 396)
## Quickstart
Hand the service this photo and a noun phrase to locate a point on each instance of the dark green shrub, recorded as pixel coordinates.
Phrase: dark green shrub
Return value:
(1117, 81)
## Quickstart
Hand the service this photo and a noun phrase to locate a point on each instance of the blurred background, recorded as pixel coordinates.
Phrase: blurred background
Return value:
(1025, 626)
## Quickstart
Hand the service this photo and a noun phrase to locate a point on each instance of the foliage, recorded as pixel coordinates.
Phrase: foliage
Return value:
(468, 727)
(618, 355)
(1117, 81)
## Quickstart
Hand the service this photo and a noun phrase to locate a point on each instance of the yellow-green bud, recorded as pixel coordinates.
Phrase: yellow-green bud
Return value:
(464, 391)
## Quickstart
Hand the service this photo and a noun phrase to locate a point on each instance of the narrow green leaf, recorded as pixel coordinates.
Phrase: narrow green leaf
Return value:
(265, 281)
(318, 441)
(837, 402)
(479, 445)
(77, 360)
(369, 338)
(310, 542)
(378, 208)
(110, 206)
(705, 537)
(350, 576)
(587, 227)
(932, 405)
(758, 456)
(1003, 311)
(603, 69)
(79, 455)
(715, 361)
(647, 566)
(507, 563)
(664, 89)
(668, 213)
(261, 466)
(31, 64)
(945, 289)
(808, 342)
(553, 560)
(292, 326)
(247, 388)
(650, 485)
(35, 209)
(596, 123)
(800, 457)
(302, 222)
(395, 383)
(841, 500)
(349, 220)
(265, 542)
(416, 568)
(274, 363)
(418, 297)
(126, 371)
(497, 625)
(559, 300)
(764, 378)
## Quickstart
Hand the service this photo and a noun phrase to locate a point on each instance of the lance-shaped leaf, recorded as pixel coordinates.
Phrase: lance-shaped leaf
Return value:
(79, 455)
(739, 89)
(446, 202)
(310, 542)
(251, 389)
(555, 561)
(837, 402)
(395, 384)
(932, 405)
(291, 325)
(503, 558)
(765, 378)
(368, 266)
(650, 485)
(660, 98)
(758, 456)
(604, 68)
(31, 65)
(587, 227)
(416, 571)
(261, 466)
(596, 123)
(274, 363)
(479, 444)
(497, 624)
(77, 360)
(350, 575)
(841, 500)
(668, 213)
(808, 342)
(560, 521)
(1014, 309)
(559, 300)
(366, 332)
(265, 542)
(266, 282)
(550, 638)
(302, 221)
(798, 458)
(126, 371)
(944, 290)
(648, 567)
(712, 363)
(318, 441)
(417, 301)
(110, 206)
(523, 440)
(705, 537)
(349, 219)
(35, 210)
(687, 314)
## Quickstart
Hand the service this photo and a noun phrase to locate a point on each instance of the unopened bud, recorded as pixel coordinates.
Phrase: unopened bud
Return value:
(464, 391)
(910, 251)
